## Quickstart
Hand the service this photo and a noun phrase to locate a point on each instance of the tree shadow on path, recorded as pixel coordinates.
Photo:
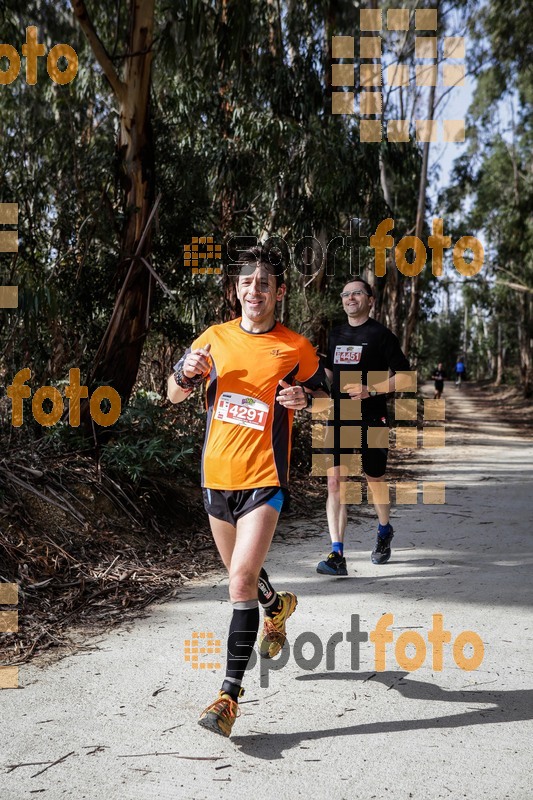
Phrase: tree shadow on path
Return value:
(510, 706)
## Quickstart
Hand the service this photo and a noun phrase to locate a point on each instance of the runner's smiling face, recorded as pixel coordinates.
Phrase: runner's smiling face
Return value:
(258, 295)
(357, 306)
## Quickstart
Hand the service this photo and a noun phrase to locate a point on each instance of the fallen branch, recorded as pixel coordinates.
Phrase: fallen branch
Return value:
(58, 761)
(12, 767)
(176, 755)
(65, 506)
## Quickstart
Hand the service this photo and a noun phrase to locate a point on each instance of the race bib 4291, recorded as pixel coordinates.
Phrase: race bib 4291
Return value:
(238, 409)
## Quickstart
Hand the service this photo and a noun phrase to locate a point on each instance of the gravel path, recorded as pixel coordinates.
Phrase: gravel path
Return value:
(123, 710)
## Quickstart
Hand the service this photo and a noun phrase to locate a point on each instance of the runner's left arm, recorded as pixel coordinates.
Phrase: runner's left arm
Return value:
(400, 381)
(399, 365)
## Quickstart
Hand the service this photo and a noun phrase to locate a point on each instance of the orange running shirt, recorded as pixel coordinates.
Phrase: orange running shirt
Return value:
(248, 434)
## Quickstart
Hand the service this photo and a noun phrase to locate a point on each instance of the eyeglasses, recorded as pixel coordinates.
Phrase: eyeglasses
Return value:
(357, 293)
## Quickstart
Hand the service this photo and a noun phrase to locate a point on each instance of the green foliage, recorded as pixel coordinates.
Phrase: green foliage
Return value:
(244, 144)
(491, 190)
(440, 341)
(143, 443)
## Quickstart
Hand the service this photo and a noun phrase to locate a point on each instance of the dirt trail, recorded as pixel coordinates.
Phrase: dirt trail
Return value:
(323, 725)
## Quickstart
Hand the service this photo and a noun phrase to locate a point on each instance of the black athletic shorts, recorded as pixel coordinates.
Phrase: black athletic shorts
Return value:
(374, 459)
(232, 505)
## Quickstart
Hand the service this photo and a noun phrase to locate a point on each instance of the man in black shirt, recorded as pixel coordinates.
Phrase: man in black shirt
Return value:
(438, 376)
(356, 351)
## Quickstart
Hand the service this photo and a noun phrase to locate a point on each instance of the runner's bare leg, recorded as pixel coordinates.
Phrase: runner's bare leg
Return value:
(380, 496)
(243, 549)
(336, 511)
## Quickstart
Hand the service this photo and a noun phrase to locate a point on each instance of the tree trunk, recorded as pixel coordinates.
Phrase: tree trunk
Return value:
(499, 357)
(414, 302)
(524, 340)
(231, 307)
(388, 305)
(285, 317)
(118, 357)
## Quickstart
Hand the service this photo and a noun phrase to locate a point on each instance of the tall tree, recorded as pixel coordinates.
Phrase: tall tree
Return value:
(494, 181)
(118, 357)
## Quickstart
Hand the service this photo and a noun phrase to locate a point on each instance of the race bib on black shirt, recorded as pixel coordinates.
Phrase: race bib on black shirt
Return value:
(347, 354)
(365, 348)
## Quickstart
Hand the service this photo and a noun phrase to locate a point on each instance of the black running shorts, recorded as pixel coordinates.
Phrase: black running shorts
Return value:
(374, 459)
(230, 506)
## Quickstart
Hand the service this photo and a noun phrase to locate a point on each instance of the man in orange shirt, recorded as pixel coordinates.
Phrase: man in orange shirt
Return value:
(250, 364)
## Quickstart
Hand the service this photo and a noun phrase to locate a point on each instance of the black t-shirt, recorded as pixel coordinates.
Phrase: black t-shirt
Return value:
(439, 375)
(369, 347)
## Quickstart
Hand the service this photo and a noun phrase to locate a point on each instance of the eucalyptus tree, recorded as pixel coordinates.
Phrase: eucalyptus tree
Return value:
(496, 175)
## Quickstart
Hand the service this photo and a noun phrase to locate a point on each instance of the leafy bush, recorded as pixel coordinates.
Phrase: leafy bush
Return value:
(145, 442)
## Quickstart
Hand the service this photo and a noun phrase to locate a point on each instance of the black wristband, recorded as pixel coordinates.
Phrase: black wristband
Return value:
(185, 383)
(309, 400)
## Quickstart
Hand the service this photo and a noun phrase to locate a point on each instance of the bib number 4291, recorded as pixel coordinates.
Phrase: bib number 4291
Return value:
(239, 409)
(247, 413)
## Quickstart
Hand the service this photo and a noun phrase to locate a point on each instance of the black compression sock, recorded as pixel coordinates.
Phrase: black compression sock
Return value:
(241, 639)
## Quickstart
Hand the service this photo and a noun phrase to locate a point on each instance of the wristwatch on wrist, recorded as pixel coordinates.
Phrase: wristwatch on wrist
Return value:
(372, 392)
(309, 400)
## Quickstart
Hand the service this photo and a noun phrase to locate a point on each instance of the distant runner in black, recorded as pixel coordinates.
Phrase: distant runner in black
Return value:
(438, 376)
(359, 346)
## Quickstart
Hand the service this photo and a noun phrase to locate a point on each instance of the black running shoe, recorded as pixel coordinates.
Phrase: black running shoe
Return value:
(335, 564)
(381, 552)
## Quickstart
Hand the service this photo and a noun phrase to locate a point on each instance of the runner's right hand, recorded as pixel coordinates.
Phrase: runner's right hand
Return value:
(197, 362)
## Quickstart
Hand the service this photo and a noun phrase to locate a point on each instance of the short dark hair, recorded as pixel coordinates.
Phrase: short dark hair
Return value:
(368, 288)
(255, 257)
